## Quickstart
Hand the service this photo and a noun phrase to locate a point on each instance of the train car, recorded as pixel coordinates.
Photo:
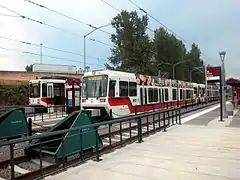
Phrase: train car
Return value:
(117, 93)
(52, 91)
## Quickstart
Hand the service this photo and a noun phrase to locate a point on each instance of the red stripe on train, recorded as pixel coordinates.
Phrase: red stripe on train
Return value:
(143, 108)
(47, 101)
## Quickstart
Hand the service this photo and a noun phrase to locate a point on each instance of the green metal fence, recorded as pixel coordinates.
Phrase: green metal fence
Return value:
(84, 142)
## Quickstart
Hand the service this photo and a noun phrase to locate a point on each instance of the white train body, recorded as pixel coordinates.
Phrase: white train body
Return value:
(118, 93)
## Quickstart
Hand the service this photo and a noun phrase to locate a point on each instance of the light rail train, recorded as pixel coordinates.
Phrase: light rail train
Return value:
(54, 91)
(118, 94)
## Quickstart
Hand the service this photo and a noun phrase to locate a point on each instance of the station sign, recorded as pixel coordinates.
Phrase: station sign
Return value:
(213, 73)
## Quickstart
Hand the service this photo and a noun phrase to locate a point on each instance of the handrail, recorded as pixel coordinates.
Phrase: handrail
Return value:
(121, 119)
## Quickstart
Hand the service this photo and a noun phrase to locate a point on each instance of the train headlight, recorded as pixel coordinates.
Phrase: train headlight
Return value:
(102, 100)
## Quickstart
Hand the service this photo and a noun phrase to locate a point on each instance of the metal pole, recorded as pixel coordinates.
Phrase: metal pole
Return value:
(84, 37)
(222, 56)
(173, 72)
(41, 53)
(221, 92)
(177, 64)
(190, 76)
(84, 53)
(205, 76)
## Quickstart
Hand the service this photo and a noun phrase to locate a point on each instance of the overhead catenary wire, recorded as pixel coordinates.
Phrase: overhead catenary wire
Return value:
(148, 14)
(110, 5)
(163, 25)
(67, 16)
(103, 43)
(50, 48)
(40, 22)
(8, 15)
(48, 56)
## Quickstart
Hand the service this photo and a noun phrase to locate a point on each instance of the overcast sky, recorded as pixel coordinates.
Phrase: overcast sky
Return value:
(214, 25)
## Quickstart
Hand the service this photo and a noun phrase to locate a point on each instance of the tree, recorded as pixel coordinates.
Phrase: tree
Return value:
(195, 55)
(168, 50)
(132, 46)
(29, 68)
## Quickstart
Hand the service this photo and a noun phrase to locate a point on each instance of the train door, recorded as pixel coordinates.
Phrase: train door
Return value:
(59, 94)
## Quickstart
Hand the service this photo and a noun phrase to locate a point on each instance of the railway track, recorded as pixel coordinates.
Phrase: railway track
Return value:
(26, 167)
(40, 128)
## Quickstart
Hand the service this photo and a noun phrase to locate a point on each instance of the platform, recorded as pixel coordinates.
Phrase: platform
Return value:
(200, 148)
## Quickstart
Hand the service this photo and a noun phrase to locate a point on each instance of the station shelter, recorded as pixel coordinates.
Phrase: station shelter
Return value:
(235, 84)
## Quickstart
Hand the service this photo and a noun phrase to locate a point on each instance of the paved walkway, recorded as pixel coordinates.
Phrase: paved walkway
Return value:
(201, 148)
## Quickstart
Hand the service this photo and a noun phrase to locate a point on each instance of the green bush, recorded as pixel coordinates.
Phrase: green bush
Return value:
(13, 95)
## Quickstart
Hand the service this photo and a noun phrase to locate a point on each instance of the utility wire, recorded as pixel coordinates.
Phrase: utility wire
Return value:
(103, 43)
(7, 15)
(36, 54)
(51, 48)
(40, 22)
(67, 16)
(110, 5)
(144, 11)
(141, 9)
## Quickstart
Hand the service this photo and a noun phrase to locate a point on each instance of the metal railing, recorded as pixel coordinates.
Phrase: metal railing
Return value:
(125, 129)
(40, 113)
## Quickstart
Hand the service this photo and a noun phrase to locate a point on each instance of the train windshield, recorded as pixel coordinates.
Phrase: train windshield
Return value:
(95, 86)
(34, 90)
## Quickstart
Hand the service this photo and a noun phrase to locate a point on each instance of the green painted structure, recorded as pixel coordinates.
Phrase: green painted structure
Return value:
(69, 143)
(13, 124)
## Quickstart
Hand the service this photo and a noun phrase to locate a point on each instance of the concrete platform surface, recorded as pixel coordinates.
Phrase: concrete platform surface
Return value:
(186, 152)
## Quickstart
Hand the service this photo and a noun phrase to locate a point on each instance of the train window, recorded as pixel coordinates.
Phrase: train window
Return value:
(112, 85)
(160, 95)
(155, 95)
(44, 90)
(181, 94)
(145, 94)
(163, 100)
(195, 90)
(184, 94)
(123, 88)
(34, 90)
(174, 94)
(166, 95)
(188, 94)
(150, 95)
(50, 91)
(191, 94)
(141, 95)
(132, 89)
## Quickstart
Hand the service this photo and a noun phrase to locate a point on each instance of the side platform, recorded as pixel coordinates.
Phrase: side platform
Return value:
(200, 148)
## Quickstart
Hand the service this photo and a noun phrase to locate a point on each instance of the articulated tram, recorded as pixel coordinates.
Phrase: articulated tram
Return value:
(127, 93)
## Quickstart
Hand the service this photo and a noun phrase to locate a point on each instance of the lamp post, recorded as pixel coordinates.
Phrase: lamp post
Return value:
(195, 68)
(222, 55)
(205, 80)
(180, 62)
(167, 63)
(84, 39)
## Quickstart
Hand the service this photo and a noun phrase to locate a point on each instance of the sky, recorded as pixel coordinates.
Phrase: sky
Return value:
(213, 25)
